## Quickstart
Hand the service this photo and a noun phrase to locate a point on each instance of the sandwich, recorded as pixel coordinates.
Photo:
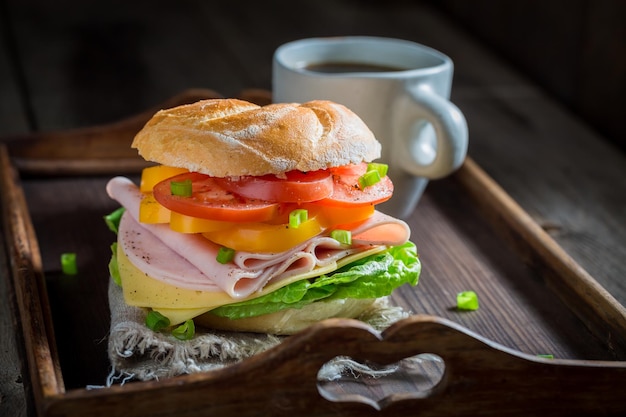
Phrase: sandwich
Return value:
(256, 219)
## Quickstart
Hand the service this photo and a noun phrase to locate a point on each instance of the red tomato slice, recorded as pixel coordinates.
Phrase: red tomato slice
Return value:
(210, 201)
(297, 187)
(350, 170)
(348, 193)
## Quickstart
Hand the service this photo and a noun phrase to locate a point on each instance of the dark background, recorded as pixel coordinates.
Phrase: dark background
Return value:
(119, 57)
(574, 49)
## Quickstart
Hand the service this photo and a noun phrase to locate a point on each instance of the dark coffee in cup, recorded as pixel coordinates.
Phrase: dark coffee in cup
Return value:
(350, 67)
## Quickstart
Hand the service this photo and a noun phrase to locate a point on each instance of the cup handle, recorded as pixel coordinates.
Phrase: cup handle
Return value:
(429, 132)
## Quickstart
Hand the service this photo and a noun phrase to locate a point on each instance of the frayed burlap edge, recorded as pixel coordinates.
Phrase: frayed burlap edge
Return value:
(139, 353)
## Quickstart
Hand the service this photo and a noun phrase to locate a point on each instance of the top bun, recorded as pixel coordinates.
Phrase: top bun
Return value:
(230, 137)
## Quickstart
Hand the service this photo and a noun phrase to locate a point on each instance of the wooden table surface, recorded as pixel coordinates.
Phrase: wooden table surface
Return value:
(71, 65)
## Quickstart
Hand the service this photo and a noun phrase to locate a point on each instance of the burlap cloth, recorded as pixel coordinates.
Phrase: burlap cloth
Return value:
(139, 353)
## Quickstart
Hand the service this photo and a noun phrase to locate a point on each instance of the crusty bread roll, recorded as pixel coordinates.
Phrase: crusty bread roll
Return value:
(290, 321)
(229, 137)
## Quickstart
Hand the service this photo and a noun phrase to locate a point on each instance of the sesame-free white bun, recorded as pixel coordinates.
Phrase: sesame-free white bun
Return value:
(289, 321)
(230, 137)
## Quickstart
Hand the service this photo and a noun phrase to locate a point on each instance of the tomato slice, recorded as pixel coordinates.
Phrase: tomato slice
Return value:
(349, 170)
(210, 201)
(348, 193)
(330, 216)
(297, 187)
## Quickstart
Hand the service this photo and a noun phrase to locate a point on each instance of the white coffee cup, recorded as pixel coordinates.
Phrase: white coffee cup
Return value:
(405, 103)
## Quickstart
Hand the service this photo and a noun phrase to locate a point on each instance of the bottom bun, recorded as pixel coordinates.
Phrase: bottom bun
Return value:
(290, 321)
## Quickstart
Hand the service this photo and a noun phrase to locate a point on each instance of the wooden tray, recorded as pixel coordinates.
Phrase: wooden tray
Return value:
(470, 234)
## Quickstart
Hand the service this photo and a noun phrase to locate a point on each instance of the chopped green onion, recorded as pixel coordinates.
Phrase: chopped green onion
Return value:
(68, 263)
(156, 321)
(297, 217)
(181, 188)
(185, 331)
(113, 220)
(342, 236)
(225, 255)
(114, 270)
(467, 300)
(546, 356)
(375, 172)
(368, 179)
(381, 168)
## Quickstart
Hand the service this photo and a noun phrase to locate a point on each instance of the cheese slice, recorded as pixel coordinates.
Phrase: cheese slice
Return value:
(143, 291)
(181, 304)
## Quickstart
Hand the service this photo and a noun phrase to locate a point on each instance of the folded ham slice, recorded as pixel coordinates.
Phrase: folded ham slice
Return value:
(189, 260)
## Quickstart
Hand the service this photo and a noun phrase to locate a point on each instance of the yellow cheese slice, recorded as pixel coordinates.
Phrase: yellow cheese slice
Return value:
(181, 315)
(180, 304)
(142, 290)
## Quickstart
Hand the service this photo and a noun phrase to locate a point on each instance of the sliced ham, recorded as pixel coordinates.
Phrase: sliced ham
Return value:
(381, 229)
(151, 256)
(189, 260)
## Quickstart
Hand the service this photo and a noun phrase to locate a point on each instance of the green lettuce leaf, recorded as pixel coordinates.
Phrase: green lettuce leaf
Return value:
(371, 277)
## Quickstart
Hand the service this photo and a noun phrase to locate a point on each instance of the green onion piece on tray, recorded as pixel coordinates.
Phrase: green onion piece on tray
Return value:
(297, 217)
(185, 331)
(546, 356)
(225, 255)
(368, 179)
(68, 263)
(181, 188)
(112, 220)
(381, 168)
(156, 321)
(342, 236)
(467, 300)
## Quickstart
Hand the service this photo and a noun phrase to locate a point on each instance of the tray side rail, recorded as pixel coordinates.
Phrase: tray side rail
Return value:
(481, 378)
(29, 286)
(601, 313)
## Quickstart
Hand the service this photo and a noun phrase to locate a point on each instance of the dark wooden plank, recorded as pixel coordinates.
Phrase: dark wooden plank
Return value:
(571, 183)
(603, 315)
(13, 119)
(12, 390)
(43, 370)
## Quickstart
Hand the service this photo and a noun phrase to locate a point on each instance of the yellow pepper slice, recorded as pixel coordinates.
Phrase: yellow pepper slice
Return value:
(186, 224)
(151, 176)
(150, 211)
(263, 237)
